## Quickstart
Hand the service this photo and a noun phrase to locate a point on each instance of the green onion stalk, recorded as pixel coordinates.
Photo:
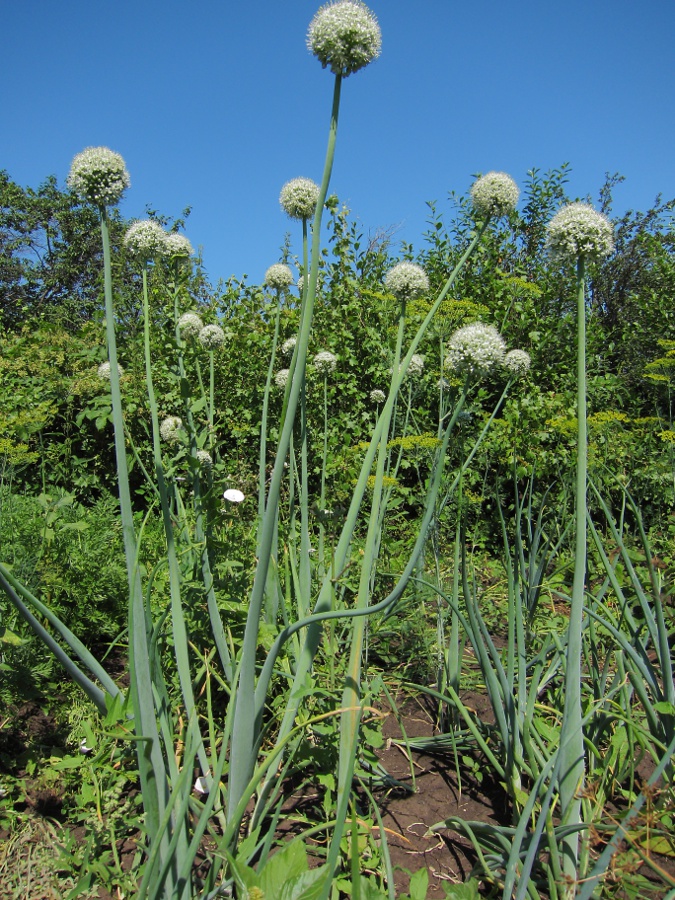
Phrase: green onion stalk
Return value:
(576, 234)
(245, 740)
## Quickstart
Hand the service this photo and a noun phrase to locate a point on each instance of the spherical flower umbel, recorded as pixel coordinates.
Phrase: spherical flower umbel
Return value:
(378, 396)
(99, 175)
(279, 277)
(288, 345)
(211, 337)
(104, 371)
(177, 245)
(578, 230)
(344, 36)
(406, 281)
(495, 194)
(281, 378)
(298, 198)
(415, 366)
(170, 428)
(145, 240)
(325, 362)
(517, 362)
(204, 459)
(475, 349)
(190, 325)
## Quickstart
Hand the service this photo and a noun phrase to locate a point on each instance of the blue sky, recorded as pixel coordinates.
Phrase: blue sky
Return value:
(216, 104)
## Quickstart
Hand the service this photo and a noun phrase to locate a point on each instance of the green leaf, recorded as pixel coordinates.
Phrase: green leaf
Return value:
(419, 882)
(664, 708)
(466, 891)
(8, 637)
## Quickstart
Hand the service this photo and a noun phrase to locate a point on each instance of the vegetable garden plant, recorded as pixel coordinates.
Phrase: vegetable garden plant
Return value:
(248, 619)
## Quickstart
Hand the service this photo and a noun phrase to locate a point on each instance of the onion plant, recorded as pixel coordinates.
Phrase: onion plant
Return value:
(576, 234)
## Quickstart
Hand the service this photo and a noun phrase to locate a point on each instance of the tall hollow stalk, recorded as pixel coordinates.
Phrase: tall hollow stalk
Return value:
(572, 767)
(151, 764)
(244, 741)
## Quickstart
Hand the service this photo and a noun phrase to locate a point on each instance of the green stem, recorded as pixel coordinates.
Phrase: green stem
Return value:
(151, 764)
(572, 768)
(244, 741)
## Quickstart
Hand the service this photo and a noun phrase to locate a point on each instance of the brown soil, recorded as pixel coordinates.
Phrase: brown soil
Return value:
(438, 794)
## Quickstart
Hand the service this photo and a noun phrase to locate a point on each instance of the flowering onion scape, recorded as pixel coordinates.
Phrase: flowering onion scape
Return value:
(279, 277)
(211, 337)
(495, 194)
(298, 198)
(99, 175)
(579, 230)
(407, 281)
(475, 349)
(190, 325)
(344, 37)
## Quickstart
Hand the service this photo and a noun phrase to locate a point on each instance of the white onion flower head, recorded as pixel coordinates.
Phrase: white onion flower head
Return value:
(325, 362)
(288, 345)
(177, 245)
(378, 396)
(495, 194)
(104, 371)
(298, 198)
(416, 365)
(145, 240)
(170, 428)
(279, 277)
(204, 459)
(190, 325)
(344, 36)
(517, 362)
(99, 175)
(475, 349)
(579, 230)
(406, 281)
(211, 337)
(232, 495)
(281, 378)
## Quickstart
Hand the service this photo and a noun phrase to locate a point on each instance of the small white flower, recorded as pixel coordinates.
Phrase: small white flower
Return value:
(189, 325)
(325, 362)
(279, 277)
(495, 194)
(104, 371)
(288, 345)
(407, 281)
(177, 245)
(378, 396)
(201, 785)
(298, 198)
(233, 495)
(145, 240)
(84, 748)
(281, 378)
(170, 428)
(211, 337)
(579, 230)
(517, 362)
(99, 175)
(344, 36)
(475, 349)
